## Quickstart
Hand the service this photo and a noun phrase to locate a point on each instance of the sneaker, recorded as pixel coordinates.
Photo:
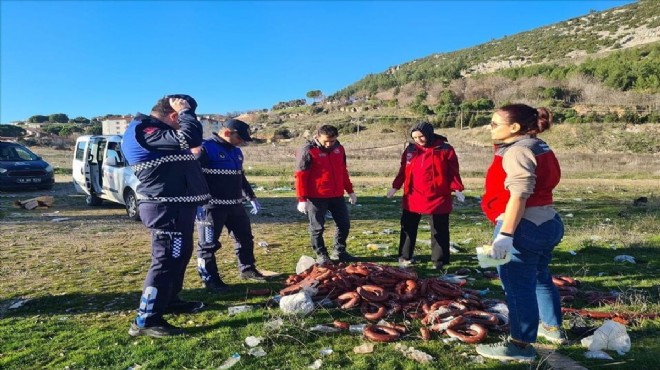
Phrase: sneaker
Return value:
(342, 256)
(179, 306)
(323, 259)
(216, 286)
(252, 274)
(158, 329)
(552, 334)
(438, 266)
(406, 263)
(507, 351)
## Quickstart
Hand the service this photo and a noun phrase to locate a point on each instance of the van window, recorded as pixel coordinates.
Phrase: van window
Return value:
(114, 150)
(80, 151)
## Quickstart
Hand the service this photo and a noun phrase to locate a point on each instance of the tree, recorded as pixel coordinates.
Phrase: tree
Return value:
(11, 131)
(82, 120)
(38, 118)
(315, 95)
(95, 129)
(58, 118)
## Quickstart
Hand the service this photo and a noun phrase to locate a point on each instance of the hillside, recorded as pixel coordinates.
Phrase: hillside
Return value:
(568, 42)
(602, 67)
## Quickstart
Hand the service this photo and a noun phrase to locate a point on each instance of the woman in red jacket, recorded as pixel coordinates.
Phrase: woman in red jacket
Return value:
(429, 173)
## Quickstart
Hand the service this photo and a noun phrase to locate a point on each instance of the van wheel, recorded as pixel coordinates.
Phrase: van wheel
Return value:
(131, 201)
(93, 200)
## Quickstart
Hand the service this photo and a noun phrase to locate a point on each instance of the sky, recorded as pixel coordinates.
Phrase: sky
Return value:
(92, 58)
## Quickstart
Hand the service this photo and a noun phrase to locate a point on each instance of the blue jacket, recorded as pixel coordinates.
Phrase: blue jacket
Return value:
(161, 159)
(222, 164)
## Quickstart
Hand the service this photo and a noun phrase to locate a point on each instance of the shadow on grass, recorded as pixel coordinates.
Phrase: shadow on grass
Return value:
(79, 303)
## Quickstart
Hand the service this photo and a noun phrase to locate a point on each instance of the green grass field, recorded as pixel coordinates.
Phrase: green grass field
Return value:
(80, 279)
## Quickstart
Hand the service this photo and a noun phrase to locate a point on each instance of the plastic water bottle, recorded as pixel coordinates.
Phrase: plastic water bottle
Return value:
(231, 361)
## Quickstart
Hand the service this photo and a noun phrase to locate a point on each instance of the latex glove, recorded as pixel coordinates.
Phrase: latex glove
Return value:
(302, 207)
(501, 246)
(352, 198)
(256, 207)
(459, 196)
(390, 193)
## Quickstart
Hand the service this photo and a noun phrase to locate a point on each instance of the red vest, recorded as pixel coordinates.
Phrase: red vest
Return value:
(547, 172)
(321, 173)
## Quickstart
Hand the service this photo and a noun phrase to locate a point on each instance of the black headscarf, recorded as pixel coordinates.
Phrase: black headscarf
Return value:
(426, 129)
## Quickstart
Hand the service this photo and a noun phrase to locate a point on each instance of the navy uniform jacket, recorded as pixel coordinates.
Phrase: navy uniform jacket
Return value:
(161, 158)
(222, 164)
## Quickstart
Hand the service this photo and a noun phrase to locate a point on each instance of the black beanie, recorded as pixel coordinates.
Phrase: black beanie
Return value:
(426, 129)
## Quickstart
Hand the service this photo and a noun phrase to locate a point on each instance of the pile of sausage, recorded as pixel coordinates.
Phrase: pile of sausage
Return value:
(380, 291)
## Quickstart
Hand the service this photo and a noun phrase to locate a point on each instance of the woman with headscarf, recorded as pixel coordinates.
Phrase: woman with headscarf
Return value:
(428, 174)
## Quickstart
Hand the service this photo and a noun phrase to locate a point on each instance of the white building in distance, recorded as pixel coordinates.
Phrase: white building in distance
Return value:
(115, 125)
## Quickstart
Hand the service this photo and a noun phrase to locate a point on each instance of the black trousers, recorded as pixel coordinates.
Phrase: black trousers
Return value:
(210, 223)
(171, 229)
(316, 210)
(439, 236)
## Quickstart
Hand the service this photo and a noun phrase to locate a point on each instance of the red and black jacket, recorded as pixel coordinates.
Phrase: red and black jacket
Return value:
(321, 172)
(428, 175)
(547, 173)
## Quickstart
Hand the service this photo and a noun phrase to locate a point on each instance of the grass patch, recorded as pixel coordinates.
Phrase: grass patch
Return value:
(82, 292)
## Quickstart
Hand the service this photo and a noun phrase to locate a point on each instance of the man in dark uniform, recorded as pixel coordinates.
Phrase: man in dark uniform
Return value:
(172, 185)
(222, 164)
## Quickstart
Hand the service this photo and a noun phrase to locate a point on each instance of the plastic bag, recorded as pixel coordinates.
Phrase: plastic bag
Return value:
(304, 263)
(611, 335)
(486, 261)
(297, 304)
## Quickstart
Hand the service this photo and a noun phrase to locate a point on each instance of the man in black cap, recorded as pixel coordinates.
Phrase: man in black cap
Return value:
(172, 185)
(222, 164)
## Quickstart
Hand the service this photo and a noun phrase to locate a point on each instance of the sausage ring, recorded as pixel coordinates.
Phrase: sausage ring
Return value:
(407, 289)
(480, 317)
(357, 270)
(379, 333)
(450, 324)
(474, 333)
(372, 293)
(348, 300)
(375, 315)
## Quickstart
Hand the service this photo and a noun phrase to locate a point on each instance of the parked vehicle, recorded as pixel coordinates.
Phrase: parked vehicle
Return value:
(20, 168)
(101, 172)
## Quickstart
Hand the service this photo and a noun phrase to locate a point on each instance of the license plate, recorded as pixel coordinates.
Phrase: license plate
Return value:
(28, 180)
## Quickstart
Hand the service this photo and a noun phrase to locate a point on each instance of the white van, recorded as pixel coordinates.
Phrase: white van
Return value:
(101, 172)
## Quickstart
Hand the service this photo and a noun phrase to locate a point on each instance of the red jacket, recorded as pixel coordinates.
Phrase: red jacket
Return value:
(321, 172)
(429, 174)
(547, 172)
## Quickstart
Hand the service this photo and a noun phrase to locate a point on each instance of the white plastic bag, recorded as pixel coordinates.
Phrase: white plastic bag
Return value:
(611, 335)
(297, 304)
(304, 263)
(486, 261)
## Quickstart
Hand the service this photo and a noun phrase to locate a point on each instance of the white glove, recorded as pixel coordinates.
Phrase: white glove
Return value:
(459, 196)
(256, 207)
(390, 193)
(302, 207)
(501, 246)
(352, 198)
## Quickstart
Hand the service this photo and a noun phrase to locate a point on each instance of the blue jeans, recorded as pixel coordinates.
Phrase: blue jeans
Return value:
(527, 280)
